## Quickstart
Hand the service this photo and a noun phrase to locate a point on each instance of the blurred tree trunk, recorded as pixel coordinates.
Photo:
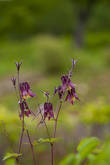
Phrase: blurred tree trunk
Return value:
(84, 12)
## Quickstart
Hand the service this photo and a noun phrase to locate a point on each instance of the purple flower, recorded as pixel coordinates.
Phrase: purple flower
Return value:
(48, 110)
(71, 96)
(60, 91)
(25, 90)
(65, 80)
(66, 83)
(67, 87)
(24, 109)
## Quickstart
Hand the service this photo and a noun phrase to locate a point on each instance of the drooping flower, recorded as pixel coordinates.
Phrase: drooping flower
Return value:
(24, 109)
(67, 87)
(25, 90)
(60, 91)
(48, 110)
(66, 83)
(71, 96)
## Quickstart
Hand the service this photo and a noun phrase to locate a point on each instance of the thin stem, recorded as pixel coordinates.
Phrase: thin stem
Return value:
(44, 123)
(56, 120)
(17, 97)
(52, 144)
(19, 86)
(16, 93)
(52, 158)
(22, 133)
(31, 145)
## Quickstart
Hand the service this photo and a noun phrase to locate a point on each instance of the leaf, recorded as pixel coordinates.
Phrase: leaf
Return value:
(87, 146)
(41, 140)
(10, 162)
(71, 159)
(11, 155)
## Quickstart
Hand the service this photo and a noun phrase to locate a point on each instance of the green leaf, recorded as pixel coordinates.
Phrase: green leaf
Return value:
(10, 162)
(41, 140)
(87, 146)
(71, 159)
(11, 155)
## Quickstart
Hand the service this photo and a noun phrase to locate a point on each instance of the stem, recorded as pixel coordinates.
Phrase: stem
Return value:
(52, 154)
(17, 97)
(51, 144)
(19, 86)
(57, 119)
(22, 133)
(31, 145)
(44, 123)
(16, 93)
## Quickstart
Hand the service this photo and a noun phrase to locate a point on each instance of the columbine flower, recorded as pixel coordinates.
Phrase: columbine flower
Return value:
(48, 110)
(66, 83)
(71, 96)
(24, 109)
(25, 90)
(60, 91)
(67, 86)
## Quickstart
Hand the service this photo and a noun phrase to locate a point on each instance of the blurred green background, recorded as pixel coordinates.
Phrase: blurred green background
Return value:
(45, 36)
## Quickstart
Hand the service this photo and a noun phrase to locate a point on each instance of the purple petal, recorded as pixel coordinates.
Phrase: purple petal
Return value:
(31, 94)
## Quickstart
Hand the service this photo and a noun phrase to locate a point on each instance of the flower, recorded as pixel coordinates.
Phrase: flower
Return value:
(60, 91)
(24, 109)
(67, 87)
(25, 90)
(48, 110)
(66, 83)
(71, 96)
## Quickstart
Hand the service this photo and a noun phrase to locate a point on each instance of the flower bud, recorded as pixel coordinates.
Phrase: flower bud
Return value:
(18, 64)
(13, 79)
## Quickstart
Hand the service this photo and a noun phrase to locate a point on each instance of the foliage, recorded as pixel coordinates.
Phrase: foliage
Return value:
(10, 162)
(11, 155)
(26, 18)
(84, 149)
(41, 140)
(94, 59)
(97, 108)
(87, 146)
(71, 159)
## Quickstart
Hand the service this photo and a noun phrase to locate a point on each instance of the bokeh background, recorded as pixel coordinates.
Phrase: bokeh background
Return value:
(45, 36)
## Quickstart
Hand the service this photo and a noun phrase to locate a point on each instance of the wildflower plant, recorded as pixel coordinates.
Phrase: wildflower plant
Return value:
(23, 92)
(66, 92)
